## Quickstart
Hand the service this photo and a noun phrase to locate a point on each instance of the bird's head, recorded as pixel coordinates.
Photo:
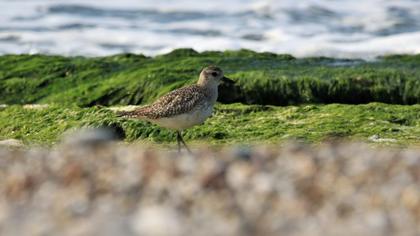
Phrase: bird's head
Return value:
(212, 76)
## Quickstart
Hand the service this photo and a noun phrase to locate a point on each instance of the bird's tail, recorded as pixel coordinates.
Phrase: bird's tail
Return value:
(127, 114)
(140, 113)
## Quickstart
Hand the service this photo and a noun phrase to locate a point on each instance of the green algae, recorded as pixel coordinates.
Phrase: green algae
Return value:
(75, 86)
(261, 78)
(234, 123)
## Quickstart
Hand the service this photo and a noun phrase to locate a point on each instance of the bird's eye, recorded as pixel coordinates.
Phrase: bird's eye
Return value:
(214, 74)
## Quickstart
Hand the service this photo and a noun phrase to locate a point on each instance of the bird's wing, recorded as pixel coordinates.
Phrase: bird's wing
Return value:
(174, 103)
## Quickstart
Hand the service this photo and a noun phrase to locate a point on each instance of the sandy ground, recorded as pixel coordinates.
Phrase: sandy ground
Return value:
(105, 188)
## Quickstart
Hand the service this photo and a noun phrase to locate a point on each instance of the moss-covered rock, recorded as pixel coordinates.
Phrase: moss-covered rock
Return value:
(234, 123)
(262, 78)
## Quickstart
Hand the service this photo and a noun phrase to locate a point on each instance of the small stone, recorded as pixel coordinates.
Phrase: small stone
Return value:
(35, 106)
(377, 139)
(90, 136)
(11, 143)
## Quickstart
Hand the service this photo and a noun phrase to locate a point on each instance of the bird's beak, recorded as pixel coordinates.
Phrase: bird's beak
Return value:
(227, 80)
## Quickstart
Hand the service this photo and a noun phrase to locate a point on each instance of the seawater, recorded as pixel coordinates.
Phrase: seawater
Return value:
(336, 28)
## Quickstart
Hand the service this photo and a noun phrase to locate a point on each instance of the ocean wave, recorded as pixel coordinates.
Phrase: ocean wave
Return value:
(304, 28)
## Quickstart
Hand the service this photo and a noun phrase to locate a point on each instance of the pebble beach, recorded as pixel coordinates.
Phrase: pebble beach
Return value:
(107, 188)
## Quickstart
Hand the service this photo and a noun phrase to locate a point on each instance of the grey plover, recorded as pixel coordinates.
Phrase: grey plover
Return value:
(184, 107)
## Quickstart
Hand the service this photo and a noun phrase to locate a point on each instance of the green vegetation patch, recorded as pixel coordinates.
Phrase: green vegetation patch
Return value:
(234, 123)
(261, 78)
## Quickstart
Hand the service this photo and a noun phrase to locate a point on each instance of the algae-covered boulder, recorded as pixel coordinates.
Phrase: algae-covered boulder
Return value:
(261, 78)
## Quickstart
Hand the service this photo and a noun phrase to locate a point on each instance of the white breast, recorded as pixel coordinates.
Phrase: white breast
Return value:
(186, 120)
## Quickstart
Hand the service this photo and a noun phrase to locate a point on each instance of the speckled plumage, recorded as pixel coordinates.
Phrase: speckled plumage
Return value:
(184, 107)
(177, 102)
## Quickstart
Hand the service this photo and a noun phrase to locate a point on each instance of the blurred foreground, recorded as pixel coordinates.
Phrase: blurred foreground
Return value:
(105, 188)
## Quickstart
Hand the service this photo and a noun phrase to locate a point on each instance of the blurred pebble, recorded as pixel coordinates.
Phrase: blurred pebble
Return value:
(157, 220)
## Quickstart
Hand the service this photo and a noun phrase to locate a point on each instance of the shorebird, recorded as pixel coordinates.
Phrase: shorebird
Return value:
(184, 107)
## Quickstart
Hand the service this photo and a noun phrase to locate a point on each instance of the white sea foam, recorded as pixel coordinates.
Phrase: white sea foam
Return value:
(337, 28)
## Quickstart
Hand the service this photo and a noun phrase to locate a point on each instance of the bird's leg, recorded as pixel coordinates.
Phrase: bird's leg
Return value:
(179, 137)
(178, 141)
